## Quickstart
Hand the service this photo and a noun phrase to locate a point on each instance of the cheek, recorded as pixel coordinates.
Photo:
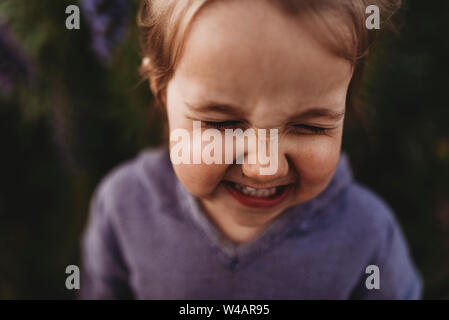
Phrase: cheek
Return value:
(200, 179)
(315, 163)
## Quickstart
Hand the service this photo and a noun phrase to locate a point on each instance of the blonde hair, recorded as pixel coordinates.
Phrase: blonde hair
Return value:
(164, 25)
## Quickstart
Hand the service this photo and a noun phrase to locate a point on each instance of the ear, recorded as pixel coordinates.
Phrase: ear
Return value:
(157, 88)
(159, 91)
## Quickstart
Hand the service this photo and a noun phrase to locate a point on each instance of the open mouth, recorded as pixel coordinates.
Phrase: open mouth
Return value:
(258, 198)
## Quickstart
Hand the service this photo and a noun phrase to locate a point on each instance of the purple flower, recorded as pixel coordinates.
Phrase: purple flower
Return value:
(13, 62)
(108, 22)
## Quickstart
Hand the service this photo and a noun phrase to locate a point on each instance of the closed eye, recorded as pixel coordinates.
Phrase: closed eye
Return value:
(299, 128)
(222, 124)
(312, 129)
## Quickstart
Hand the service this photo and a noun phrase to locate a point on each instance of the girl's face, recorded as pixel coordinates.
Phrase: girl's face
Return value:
(248, 65)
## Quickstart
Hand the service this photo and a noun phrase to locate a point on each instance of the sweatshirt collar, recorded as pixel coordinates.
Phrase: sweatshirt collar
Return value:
(298, 218)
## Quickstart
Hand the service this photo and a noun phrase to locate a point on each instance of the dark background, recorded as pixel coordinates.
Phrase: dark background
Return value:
(72, 106)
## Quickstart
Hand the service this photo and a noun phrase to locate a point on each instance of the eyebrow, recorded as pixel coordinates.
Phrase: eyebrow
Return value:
(231, 110)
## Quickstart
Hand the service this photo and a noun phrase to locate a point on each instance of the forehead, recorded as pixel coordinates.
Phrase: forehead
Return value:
(248, 50)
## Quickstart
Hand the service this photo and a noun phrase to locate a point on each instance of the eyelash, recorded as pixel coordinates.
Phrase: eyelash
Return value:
(312, 129)
(233, 124)
(221, 125)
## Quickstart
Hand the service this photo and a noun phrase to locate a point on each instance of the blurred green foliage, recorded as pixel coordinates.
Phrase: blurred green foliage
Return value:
(62, 131)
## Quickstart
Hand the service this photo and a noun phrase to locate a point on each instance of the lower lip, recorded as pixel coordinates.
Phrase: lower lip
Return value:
(255, 202)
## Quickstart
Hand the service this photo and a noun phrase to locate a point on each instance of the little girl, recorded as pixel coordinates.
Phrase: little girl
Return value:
(160, 229)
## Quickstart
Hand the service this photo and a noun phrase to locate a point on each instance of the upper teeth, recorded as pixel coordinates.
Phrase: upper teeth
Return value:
(255, 192)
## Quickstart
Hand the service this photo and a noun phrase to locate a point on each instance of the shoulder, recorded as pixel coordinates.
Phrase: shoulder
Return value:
(366, 216)
(366, 219)
(149, 167)
(352, 213)
(376, 228)
(351, 207)
(368, 206)
(143, 178)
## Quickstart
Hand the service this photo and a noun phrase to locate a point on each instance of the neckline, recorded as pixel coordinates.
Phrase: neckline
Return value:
(296, 219)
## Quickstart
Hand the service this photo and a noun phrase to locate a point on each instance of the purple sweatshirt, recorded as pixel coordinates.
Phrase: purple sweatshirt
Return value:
(148, 238)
